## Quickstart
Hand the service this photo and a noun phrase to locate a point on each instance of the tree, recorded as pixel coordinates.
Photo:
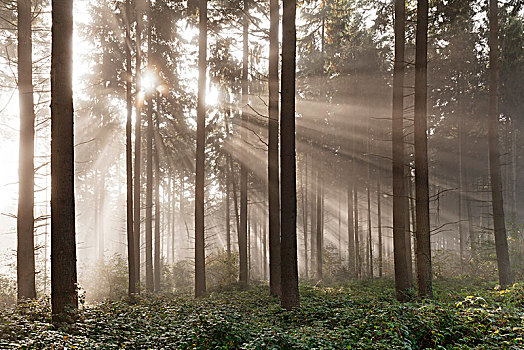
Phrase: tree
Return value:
(64, 295)
(138, 143)
(501, 243)
(129, 158)
(288, 249)
(150, 285)
(242, 234)
(273, 164)
(25, 218)
(402, 283)
(200, 264)
(157, 144)
(423, 243)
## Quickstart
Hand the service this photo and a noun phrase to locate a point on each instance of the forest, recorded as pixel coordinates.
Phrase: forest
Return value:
(261, 174)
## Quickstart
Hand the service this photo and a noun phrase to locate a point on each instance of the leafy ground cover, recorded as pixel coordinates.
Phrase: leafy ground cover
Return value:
(354, 316)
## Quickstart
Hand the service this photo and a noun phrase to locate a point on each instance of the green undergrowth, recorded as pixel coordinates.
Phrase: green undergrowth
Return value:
(364, 315)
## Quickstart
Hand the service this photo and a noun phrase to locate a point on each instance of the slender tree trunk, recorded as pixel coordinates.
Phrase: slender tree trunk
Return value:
(305, 208)
(423, 242)
(25, 218)
(129, 159)
(228, 217)
(265, 250)
(289, 268)
(472, 238)
(358, 262)
(462, 235)
(402, 283)
(138, 149)
(314, 219)
(501, 242)
(149, 174)
(200, 255)
(410, 230)
(273, 168)
(379, 225)
(339, 227)
(319, 226)
(370, 238)
(169, 221)
(242, 238)
(101, 221)
(156, 179)
(64, 296)
(351, 234)
(173, 223)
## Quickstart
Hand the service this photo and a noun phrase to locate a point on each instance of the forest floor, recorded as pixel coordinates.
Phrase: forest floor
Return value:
(363, 315)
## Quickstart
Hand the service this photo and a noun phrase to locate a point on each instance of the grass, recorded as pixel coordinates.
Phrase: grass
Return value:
(363, 315)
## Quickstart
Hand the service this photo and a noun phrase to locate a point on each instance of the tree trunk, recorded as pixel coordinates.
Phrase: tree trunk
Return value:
(129, 159)
(273, 168)
(149, 174)
(402, 284)
(319, 226)
(462, 235)
(501, 242)
(305, 208)
(370, 238)
(423, 242)
(200, 255)
(25, 218)
(358, 262)
(156, 179)
(379, 225)
(138, 150)
(64, 296)
(351, 235)
(313, 209)
(289, 268)
(242, 238)
(228, 217)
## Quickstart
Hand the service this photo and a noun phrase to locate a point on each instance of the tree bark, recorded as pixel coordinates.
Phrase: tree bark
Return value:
(200, 256)
(402, 284)
(138, 149)
(156, 179)
(351, 234)
(358, 262)
(64, 296)
(319, 227)
(242, 238)
(150, 286)
(129, 160)
(273, 166)
(379, 225)
(25, 218)
(423, 243)
(501, 242)
(288, 252)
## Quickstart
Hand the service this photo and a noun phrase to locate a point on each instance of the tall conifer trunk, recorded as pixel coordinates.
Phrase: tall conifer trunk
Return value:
(289, 268)
(200, 254)
(501, 242)
(242, 237)
(273, 168)
(64, 295)
(129, 159)
(402, 282)
(25, 218)
(138, 148)
(422, 234)
(150, 286)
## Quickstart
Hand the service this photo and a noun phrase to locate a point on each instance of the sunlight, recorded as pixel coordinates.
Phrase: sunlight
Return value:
(212, 96)
(149, 81)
